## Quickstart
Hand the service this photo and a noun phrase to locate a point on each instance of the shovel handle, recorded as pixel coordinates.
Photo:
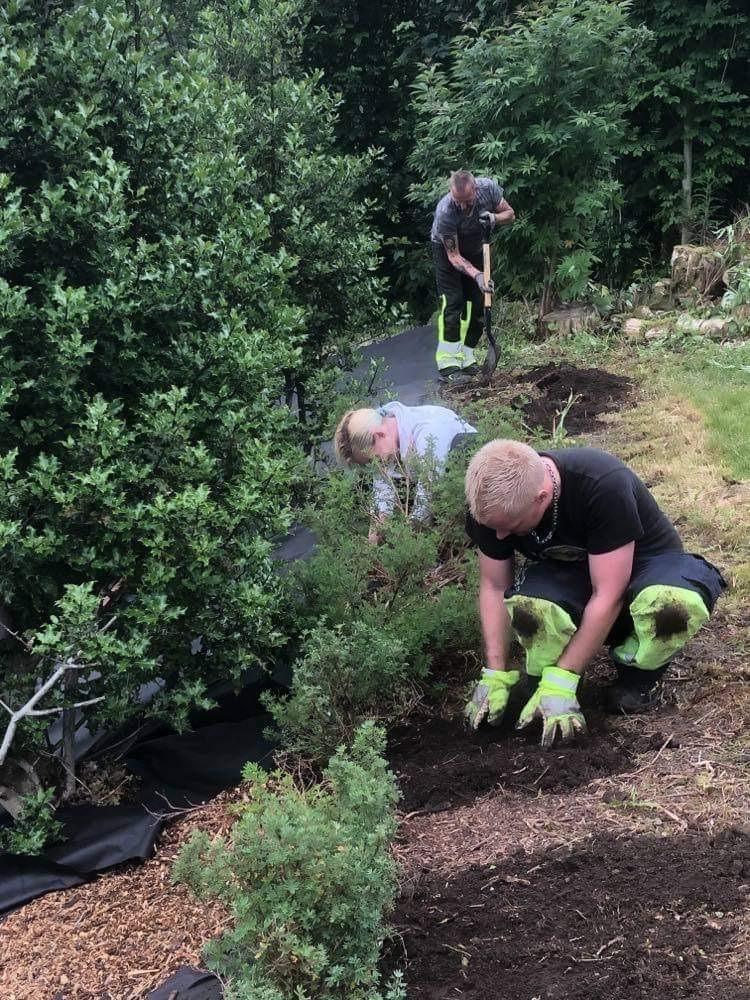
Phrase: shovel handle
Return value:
(487, 274)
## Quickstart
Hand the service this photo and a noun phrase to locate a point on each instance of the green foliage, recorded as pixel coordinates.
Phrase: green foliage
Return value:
(163, 281)
(311, 191)
(308, 877)
(521, 105)
(691, 115)
(344, 674)
(379, 615)
(36, 826)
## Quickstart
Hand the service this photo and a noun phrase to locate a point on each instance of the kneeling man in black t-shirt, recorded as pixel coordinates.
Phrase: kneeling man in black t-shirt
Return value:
(604, 566)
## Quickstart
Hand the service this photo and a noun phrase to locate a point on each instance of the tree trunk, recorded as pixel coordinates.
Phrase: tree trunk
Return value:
(289, 389)
(301, 404)
(548, 299)
(687, 187)
(67, 750)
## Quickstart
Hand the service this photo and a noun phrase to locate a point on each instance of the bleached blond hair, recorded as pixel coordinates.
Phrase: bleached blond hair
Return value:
(354, 438)
(503, 477)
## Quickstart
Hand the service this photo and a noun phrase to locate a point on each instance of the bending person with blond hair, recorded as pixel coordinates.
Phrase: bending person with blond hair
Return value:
(604, 567)
(404, 440)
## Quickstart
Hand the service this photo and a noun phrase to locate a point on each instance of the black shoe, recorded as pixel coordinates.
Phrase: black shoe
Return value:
(472, 370)
(635, 691)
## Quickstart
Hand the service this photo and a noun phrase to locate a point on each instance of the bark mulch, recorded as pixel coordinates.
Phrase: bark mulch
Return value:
(118, 937)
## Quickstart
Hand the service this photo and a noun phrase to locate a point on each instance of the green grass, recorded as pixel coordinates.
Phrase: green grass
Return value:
(717, 380)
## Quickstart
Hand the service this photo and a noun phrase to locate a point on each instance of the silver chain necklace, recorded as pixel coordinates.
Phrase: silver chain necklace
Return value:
(555, 505)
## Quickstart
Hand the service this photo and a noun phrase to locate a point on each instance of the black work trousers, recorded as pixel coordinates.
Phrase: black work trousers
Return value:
(459, 298)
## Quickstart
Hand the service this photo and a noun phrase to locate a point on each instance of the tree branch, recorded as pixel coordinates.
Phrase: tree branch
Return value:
(29, 708)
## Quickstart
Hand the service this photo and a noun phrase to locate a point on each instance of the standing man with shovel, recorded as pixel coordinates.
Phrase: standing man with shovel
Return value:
(464, 219)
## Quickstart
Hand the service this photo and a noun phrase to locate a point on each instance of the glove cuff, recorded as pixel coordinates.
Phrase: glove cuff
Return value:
(560, 678)
(505, 677)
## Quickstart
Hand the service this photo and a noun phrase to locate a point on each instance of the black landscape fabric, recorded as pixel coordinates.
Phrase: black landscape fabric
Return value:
(188, 984)
(176, 770)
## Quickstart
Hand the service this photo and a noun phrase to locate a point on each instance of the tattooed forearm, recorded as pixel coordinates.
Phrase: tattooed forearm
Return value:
(462, 264)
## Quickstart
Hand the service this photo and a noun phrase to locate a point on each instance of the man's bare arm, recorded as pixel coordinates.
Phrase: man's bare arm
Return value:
(460, 263)
(495, 576)
(504, 213)
(610, 574)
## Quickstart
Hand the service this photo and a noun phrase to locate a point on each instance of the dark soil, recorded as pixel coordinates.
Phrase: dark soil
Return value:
(440, 765)
(637, 918)
(595, 392)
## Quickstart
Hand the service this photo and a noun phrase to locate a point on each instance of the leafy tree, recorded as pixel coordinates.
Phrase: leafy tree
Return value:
(693, 114)
(541, 106)
(147, 317)
(311, 191)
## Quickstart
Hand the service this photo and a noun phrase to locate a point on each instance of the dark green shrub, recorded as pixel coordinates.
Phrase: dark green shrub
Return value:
(308, 877)
(153, 307)
(35, 827)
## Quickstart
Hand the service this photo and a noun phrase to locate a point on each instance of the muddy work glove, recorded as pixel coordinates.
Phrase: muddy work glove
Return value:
(490, 697)
(485, 286)
(487, 219)
(555, 703)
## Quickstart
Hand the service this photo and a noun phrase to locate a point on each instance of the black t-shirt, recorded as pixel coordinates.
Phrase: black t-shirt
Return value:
(603, 505)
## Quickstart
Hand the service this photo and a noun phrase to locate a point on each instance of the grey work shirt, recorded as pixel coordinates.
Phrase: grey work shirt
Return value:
(451, 223)
(423, 432)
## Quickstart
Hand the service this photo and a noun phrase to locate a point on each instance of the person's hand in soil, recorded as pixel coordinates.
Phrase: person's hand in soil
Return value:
(555, 703)
(490, 697)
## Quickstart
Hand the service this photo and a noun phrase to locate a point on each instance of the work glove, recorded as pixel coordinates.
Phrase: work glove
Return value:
(555, 703)
(490, 697)
(487, 219)
(486, 287)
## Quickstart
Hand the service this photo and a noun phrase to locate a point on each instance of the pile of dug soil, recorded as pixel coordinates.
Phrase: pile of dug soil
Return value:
(637, 918)
(595, 392)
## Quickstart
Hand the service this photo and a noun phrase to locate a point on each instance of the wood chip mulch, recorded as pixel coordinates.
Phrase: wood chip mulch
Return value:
(118, 937)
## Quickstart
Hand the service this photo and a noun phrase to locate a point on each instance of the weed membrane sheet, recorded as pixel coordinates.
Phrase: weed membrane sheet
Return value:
(176, 770)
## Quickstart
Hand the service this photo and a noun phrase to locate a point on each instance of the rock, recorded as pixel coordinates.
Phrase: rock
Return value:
(715, 327)
(661, 294)
(633, 328)
(643, 312)
(688, 324)
(654, 332)
(571, 319)
(697, 268)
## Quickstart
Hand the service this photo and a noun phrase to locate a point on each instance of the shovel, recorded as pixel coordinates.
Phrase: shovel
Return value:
(490, 363)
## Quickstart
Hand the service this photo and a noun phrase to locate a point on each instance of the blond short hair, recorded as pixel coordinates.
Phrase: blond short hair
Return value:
(503, 477)
(354, 438)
